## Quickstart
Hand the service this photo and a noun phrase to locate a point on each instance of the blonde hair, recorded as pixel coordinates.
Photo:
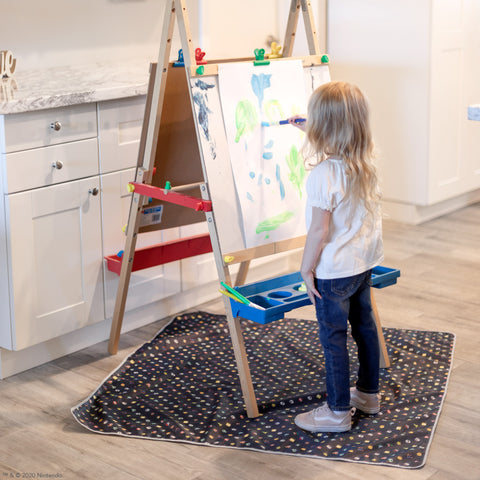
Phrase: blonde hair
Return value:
(338, 125)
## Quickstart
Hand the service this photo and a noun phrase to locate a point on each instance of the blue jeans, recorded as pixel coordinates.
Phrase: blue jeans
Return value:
(347, 299)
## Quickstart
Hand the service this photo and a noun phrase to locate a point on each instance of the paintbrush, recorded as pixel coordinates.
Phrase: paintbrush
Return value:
(282, 122)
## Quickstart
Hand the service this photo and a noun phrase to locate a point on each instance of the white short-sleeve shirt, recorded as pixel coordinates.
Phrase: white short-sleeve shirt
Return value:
(354, 243)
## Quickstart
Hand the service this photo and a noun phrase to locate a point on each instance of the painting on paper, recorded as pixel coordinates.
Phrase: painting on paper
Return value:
(266, 161)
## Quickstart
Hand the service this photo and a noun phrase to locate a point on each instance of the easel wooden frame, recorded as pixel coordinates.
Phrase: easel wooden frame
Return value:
(176, 10)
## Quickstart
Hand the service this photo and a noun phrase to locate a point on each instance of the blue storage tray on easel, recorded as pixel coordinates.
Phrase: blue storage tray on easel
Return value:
(282, 294)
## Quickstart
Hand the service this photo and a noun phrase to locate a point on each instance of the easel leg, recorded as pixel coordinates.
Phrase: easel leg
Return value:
(242, 363)
(145, 162)
(242, 273)
(124, 281)
(291, 30)
(384, 360)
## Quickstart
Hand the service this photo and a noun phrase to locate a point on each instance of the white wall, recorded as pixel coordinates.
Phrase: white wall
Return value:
(64, 32)
(383, 48)
(235, 29)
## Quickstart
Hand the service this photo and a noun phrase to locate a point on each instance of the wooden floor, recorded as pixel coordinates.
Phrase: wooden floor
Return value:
(438, 290)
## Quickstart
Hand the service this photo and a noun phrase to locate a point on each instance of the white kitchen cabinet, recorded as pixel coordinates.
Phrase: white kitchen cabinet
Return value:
(64, 204)
(148, 285)
(54, 250)
(50, 225)
(418, 64)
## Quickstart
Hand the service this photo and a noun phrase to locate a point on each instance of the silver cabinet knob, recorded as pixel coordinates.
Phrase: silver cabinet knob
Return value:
(58, 165)
(93, 191)
(56, 126)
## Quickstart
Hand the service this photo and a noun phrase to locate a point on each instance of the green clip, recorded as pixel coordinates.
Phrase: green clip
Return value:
(200, 70)
(325, 58)
(168, 185)
(260, 57)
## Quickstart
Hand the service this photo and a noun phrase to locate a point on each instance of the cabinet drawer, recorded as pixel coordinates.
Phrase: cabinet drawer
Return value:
(50, 165)
(49, 127)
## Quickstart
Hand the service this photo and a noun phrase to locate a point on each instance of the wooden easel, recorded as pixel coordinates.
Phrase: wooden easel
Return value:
(224, 255)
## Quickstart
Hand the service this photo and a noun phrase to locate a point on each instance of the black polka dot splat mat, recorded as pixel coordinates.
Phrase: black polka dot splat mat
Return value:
(183, 386)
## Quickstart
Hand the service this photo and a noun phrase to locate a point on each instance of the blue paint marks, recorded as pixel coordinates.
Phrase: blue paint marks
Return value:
(203, 111)
(268, 155)
(259, 84)
(249, 197)
(267, 180)
(280, 183)
(200, 99)
(204, 85)
(260, 179)
(252, 174)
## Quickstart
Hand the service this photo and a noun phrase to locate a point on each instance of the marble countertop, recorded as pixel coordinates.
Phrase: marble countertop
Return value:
(61, 86)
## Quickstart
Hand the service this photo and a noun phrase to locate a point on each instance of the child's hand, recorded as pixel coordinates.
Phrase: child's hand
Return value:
(312, 292)
(300, 125)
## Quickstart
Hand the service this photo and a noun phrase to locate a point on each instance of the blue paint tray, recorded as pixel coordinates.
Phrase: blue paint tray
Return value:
(282, 294)
(277, 295)
(384, 277)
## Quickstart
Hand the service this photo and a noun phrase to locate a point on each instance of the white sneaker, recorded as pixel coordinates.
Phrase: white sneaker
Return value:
(366, 402)
(323, 419)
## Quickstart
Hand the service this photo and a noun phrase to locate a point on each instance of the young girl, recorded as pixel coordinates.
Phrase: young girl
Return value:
(344, 242)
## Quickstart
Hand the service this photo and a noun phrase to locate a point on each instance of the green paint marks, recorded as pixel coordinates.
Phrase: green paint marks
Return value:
(245, 118)
(297, 170)
(273, 110)
(274, 222)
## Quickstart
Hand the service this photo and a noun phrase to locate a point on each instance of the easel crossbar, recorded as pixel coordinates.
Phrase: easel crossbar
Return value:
(170, 196)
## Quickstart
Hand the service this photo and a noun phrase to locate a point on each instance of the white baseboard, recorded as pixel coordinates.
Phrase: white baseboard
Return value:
(416, 214)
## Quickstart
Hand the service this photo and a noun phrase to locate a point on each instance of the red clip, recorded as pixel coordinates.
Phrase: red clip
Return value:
(199, 57)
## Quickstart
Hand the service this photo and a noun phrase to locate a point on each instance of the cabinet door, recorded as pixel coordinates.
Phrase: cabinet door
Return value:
(454, 148)
(200, 269)
(119, 130)
(146, 286)
(55, 270)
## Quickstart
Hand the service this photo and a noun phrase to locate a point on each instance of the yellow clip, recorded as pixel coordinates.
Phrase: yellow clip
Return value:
(124, 228)
(275, 50)
(228, 259)
(130, 188)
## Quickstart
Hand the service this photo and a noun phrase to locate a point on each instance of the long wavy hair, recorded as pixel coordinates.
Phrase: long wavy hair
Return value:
(338, 125)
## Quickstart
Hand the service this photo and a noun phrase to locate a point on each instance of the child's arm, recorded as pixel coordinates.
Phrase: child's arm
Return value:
(300, 125)
(316, 237)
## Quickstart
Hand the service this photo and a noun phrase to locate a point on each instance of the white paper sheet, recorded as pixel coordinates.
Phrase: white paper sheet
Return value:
(266, 161)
